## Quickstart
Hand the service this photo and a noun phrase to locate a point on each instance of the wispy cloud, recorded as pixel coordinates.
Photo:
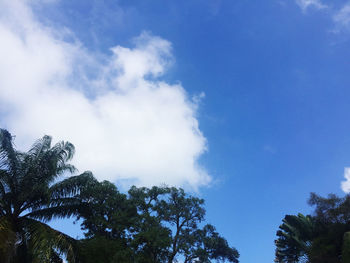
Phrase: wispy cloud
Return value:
(342, 17)
(339, 15)
(305, 4)
(345, 185)
(126, 122)
(270, 149)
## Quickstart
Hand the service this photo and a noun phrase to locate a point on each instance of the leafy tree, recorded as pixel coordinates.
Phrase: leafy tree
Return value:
(105, 212)
(152, 239)
(166, 226)
(185, 213)
(332, 209)
(346, 248)
(294, 238)
(155, 225)
(108, 220)
(29, 197)
(318, 238)
(333, 218)
(101, 249)
(206, 244)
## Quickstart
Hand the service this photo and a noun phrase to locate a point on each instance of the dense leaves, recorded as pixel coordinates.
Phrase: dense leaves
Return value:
(294, 236)
(155, 225)
(28, 193)
(320, 238)
(160, 224)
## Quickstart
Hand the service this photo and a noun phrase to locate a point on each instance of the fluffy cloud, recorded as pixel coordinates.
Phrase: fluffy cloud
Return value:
(126, 123)
(305, 4)
(345, 185)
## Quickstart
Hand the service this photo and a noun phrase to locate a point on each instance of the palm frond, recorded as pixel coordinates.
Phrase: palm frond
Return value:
(72, 185)
(64, 151)
(40, 146)
(47, 214)
(45, 241)
(41, 166)
(8, 239)
(8, 160)
(28, 193)
(7, 152)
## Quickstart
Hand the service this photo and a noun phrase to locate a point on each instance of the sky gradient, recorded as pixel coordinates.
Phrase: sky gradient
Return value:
(243, 103)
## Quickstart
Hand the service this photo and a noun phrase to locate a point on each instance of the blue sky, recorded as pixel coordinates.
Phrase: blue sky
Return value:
(245, 103)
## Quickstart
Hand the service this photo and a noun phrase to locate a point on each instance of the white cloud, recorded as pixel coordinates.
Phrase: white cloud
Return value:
(305, 4)
(342, 17)
(345, 185)
(126, 123)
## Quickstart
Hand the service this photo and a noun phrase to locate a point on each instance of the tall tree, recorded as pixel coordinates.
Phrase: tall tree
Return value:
(179, 216)
(151, 225)
(156, 225)
(319, 238)
(108, 219)
(346, 247)
(29, 196)
(294, 238)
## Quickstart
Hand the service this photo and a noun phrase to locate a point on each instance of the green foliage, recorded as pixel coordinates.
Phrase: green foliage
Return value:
(147, 225)
(294, 237)
(346, 248)
(103, 250)
(205, 245)
(332, 209)
(28, 194)
(317, 238)
(154, 225)
(105, 211)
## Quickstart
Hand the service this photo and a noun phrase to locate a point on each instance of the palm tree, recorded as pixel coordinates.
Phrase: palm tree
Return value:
(30, 195)
(294, 238)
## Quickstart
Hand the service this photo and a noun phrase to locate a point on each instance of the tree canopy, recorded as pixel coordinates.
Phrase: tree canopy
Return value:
(322, 237)
(156, 225)
(29, 196)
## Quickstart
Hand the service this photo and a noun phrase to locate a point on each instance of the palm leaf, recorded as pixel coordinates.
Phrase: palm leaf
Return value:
(8, 240)
(45, 242)
(27, 192)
